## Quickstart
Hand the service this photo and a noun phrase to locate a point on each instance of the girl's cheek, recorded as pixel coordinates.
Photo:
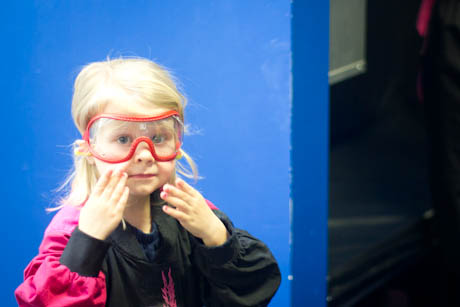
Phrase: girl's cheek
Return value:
(122, 167)
(167, 168)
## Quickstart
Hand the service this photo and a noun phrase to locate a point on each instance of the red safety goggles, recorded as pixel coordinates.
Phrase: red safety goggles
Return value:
(114, 138)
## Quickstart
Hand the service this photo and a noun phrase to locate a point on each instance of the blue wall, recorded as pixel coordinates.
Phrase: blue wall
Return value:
(233, 59)
(309, 189)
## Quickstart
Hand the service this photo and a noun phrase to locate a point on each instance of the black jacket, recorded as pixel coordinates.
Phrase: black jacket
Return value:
(241, 272)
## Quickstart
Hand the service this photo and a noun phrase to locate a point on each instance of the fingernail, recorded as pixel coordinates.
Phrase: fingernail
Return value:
(163, 194)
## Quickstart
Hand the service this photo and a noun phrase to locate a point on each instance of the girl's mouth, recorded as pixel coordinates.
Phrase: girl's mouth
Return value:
(142, 176)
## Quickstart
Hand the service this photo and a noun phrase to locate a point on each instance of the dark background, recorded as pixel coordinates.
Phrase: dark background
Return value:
(380, 223)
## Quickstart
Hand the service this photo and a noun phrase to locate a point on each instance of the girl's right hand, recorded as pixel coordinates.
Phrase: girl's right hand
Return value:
(104, 208)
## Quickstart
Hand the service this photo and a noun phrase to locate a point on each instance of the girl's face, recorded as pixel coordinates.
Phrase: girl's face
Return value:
(145, 174)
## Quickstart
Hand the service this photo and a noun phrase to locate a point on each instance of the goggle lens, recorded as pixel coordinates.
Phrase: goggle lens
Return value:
(115, 139)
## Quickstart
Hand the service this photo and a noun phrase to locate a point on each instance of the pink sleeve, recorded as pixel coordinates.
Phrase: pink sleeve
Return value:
(211, 205)
(49, 283)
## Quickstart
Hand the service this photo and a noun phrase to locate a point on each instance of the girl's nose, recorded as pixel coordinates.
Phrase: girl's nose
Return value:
(143, 153)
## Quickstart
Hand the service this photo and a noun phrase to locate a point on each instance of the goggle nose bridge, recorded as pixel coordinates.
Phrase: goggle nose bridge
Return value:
(136, 143)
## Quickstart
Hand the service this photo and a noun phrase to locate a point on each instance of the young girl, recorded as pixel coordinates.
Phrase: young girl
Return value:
(130, 232)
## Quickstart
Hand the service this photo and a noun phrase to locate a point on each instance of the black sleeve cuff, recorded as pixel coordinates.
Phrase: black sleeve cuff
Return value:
(219, 255)
(84, 254)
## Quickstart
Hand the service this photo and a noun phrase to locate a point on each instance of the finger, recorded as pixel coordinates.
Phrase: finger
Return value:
(102, 182)
(184, 186)
(121, 168)
(174, 191)
(114, 179)
(121, 205)
(178, 215)
(174, 201)
(119, 188)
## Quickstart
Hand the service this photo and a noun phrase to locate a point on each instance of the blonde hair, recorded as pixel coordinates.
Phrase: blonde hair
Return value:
(145, 83)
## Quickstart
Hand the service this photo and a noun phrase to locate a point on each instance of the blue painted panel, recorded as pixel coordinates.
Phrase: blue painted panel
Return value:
(233, 60)
(310, 45)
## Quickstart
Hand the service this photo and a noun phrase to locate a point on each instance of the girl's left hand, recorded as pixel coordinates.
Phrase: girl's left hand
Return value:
(189, 207)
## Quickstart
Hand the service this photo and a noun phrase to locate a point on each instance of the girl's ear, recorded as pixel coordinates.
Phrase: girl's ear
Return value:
(81, 149)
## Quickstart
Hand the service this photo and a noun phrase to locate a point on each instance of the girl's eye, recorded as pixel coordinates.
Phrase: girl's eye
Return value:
(157, 139)
(123, 139)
